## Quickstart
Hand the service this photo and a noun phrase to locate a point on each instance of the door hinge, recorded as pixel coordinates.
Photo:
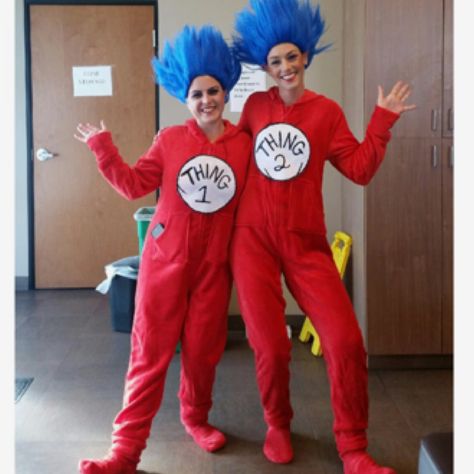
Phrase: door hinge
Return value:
(154, 38)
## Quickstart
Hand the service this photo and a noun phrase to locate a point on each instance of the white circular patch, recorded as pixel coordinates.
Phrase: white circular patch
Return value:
(281, 151)
(206, 183)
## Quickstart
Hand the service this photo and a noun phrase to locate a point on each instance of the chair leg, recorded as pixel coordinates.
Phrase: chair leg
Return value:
(305, 332)
(316, 348)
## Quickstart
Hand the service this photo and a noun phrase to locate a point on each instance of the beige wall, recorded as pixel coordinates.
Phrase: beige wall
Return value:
(324, 76)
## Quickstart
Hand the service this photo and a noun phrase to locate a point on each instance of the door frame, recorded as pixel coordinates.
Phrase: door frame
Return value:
(29, 104)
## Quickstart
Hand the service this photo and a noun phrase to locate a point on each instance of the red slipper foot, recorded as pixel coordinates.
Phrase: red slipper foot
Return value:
(277, 447)
(359, 462)
(109, 465)
(206, 437)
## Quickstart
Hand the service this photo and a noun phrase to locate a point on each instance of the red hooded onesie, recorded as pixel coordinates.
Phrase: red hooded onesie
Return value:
(184, 280)
(281, 230)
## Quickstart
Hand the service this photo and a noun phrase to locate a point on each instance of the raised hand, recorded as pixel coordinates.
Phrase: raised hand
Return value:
(87, 131)
(395, 100)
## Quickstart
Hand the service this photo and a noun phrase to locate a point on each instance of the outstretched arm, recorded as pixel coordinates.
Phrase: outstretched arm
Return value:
(132, 182)
(360, 161)
(395, 100)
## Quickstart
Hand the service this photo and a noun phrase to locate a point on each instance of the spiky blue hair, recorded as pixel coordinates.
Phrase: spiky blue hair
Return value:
(196, 52)
(277, 21)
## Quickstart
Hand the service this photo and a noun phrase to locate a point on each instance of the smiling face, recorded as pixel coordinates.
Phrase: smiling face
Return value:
(286, 64)
(206, 100)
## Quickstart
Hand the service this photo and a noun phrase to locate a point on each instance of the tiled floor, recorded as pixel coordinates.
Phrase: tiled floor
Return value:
(65, 341)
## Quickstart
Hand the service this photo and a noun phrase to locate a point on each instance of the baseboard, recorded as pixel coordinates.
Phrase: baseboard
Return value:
(22, 283)
(411, 361)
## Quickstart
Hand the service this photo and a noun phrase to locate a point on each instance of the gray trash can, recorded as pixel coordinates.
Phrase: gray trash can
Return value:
(121, 284)
(436, 454)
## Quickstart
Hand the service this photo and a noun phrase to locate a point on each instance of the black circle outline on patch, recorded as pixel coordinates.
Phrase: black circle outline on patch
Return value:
(255, 157)
(210, 156)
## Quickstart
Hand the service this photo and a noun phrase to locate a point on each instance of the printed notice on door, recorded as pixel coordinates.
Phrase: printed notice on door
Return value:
(92, 81)
(251, 80)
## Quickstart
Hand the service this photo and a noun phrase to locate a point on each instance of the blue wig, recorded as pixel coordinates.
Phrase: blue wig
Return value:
(274, 22)
(196, 53)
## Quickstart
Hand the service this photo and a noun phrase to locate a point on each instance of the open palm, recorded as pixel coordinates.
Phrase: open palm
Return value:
(88, 130)
(395, 100)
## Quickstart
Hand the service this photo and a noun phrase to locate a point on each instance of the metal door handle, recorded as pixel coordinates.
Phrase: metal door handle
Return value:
(434, 120)
(434, 156)
(43, 154)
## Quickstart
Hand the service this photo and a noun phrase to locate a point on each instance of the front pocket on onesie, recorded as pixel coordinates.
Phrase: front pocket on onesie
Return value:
(170, 238)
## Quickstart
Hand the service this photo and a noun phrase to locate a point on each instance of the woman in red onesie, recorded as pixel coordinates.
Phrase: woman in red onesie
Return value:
(184, 280)
(280, 226)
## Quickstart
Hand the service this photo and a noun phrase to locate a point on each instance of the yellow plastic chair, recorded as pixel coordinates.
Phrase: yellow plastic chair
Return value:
(341, 249)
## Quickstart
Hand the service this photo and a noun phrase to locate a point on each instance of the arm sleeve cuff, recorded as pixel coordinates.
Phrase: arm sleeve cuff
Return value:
(384, 119)
(101, 144)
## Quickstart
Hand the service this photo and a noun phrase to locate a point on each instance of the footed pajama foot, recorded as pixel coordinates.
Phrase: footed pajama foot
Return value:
(206, 436)
(359, 462)
(109, 465)
(277, 447)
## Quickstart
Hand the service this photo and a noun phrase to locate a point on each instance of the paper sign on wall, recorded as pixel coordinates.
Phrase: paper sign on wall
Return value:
(92, 81)
(251, 80)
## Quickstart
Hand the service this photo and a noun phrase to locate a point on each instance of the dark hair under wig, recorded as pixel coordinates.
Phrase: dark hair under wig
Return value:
(274, 22)
(196, 52)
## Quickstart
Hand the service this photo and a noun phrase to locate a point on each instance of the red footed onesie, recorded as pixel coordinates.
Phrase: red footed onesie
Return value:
(280, 229)
(184, 281)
